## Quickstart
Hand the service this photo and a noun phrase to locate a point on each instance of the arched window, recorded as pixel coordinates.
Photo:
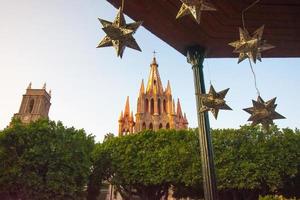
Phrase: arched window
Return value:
(31, 105)
(160, 126)
(151, 126)
(152, 106)
(144, 126)
(167, 126)
(146, 105)
(159, 108)
(164, 106)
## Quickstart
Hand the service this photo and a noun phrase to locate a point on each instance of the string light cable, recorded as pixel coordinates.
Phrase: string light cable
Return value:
(244, 26)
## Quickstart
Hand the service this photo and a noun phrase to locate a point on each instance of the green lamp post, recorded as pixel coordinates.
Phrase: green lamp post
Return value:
(195, 56)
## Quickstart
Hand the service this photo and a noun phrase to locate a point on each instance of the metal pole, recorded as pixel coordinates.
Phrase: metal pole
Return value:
(195, 56)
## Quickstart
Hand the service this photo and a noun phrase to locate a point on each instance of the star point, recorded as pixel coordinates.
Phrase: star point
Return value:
(263, 112)
(214, 101)
(119, 34)
(250, 46)
(194, 8)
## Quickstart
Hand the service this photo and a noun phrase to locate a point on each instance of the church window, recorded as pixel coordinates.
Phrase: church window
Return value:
(168, 126)
(159, 108)
(152, 106)
(151, 126)
(31, 105)
(146, 105)
(154, 82)
(164, 106)
(160, 126)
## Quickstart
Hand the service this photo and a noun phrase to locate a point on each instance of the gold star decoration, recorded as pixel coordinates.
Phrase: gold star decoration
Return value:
(263, 112)
(119, 34)
(194, 8)
(214, 101)
(250, 47)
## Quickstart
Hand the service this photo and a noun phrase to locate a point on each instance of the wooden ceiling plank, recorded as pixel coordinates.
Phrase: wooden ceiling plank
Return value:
(281, 19)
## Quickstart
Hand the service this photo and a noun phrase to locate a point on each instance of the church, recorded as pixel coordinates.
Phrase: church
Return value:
(155, 108)
(35, 105)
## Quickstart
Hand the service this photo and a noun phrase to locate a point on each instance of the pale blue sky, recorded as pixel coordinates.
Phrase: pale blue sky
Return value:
(54, 42)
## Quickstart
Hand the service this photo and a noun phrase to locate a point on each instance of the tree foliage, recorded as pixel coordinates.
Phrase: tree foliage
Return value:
(248, 162)
(101, 170)
(148, 163)
(252, 160)
(44, 160)
(274, 197)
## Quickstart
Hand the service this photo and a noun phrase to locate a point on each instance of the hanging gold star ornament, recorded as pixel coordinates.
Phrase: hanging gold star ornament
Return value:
(214, 101)
(250, 46)
(119, 34)
(263, 112)
(194, 8)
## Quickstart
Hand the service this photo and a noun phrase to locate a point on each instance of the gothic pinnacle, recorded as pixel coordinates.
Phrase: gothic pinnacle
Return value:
(179, 111)
(173, 108)
(154, 61)
(168, 89)
(121, 116)
(142, 88)
(131, 117)
(154, 84)
(185, 119)
(127, 107)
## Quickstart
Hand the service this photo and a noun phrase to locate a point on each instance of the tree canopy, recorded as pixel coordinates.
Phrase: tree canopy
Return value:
(145, 162)
(44, 160)
(248, 162)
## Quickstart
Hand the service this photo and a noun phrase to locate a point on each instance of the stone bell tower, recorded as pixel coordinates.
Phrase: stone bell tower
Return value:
(35, 105)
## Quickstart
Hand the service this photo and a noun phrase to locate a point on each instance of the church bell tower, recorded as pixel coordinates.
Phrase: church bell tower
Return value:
(35, 105)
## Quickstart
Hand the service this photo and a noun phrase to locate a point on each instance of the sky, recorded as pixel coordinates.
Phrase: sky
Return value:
(55, 42)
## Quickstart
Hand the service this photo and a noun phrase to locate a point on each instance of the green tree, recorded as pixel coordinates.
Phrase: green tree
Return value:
(250, 161)
(108, 136)
(100, 171)
(44, 160)
(148, 163)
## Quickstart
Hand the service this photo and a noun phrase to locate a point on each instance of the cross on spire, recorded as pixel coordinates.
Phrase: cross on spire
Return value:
(154, 58)
(154, 53)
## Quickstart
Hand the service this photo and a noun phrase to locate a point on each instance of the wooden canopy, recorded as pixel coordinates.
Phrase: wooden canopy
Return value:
(280, 17)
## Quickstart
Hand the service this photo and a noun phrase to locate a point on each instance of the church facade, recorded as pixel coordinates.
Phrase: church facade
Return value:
(35, 105)
(155, 108)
